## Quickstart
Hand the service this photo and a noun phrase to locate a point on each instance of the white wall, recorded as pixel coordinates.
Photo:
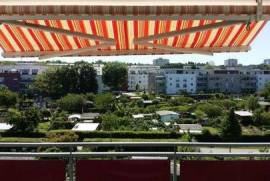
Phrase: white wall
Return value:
(176, 83)
(139, 75)
(262, 80)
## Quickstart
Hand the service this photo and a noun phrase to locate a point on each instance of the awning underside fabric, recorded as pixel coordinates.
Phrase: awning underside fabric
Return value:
(21, 41)
(109, 32)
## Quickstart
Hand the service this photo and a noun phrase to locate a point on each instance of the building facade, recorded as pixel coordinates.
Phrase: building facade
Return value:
(10, 80)
(266, 61)
(27, 72)
(231, 62)
(262, 79)
(138, 76)
(161, 61)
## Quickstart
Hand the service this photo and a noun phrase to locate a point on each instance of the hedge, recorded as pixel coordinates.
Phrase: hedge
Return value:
(128, 134)
(137, 134)
(24, 135)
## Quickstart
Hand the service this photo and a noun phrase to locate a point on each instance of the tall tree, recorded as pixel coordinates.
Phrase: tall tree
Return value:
(87, 81)
(115, 75)
(77, 78)
(72, 103)
(7, 97)
(252, 103)
(231, 128)
(23, 121)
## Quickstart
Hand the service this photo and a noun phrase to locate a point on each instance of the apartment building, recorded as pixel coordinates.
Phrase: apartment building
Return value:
(10, 80)
(262, 79)
(231, 81)
(180, 80)
(138, 76)
(161, 61)
(27, 71)
(231, 62)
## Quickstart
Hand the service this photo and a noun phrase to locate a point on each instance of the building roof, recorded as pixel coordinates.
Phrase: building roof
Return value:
(164, 113)
(5, 126)
(85, 127)
(74, 116)
(118, 27)
(190, 126)
(263, 103)
(138, 116)
(243, 113)
(147, 101)
(89, 116)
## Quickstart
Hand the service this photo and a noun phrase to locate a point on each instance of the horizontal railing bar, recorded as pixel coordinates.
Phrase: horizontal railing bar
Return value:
(145, 154)
(134, 144)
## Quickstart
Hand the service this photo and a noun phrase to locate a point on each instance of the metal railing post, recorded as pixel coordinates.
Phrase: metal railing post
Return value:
(174, 165)
(70, 165)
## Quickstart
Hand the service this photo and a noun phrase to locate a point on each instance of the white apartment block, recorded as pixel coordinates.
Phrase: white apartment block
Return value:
(178, 80)
(138, 76)
(262, 79)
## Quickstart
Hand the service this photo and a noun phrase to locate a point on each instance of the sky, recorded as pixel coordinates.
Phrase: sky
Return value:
(260, 50)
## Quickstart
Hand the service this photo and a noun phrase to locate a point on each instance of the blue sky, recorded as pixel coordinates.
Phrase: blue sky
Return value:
(260, 50)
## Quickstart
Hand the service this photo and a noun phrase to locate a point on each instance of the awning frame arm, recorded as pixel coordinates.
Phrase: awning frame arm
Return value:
(57, 30)
(186, 31)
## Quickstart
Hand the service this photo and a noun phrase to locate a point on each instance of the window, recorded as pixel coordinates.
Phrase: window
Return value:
(185, 85)
(177, 85)
(25, 71)
(34, 71)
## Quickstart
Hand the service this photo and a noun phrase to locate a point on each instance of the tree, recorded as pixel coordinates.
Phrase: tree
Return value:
(77, 78)
(72, 103)
(86, 80)
(211, 110)
(252, 103)
(115, 75)
(104, 102)
(23, 121)
(230, 128)
(7, 97)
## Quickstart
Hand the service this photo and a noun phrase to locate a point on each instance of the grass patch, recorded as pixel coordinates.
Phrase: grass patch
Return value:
(43, 127)
(129, 140)
(19, 139)
(213, 131)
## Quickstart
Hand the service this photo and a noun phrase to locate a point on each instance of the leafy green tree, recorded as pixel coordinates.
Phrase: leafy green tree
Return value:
(252, 103)
(265, 118)
(105, 102)
(86, 77)
(23, 121)
(77, 78)
(72, 103)
(48, 83)
(257, 117)
(265, 92)
(7, 97)
(211, 110)
(231, 128)
(115, 75)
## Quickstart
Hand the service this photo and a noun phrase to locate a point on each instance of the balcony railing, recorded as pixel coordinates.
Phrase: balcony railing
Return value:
(174, 156)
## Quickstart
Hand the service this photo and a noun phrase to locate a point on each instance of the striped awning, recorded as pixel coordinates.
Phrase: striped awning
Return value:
(47, 38)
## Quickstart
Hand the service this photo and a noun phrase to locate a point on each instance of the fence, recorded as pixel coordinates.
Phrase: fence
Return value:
(174, 156)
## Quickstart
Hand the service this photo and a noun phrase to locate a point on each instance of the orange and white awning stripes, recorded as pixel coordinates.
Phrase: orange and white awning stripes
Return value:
(21, 39)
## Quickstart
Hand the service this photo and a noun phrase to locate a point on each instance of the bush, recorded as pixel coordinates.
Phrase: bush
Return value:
(211, 110)
(62, 136)
(72, 103)
(128, 134)
(61, 125)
